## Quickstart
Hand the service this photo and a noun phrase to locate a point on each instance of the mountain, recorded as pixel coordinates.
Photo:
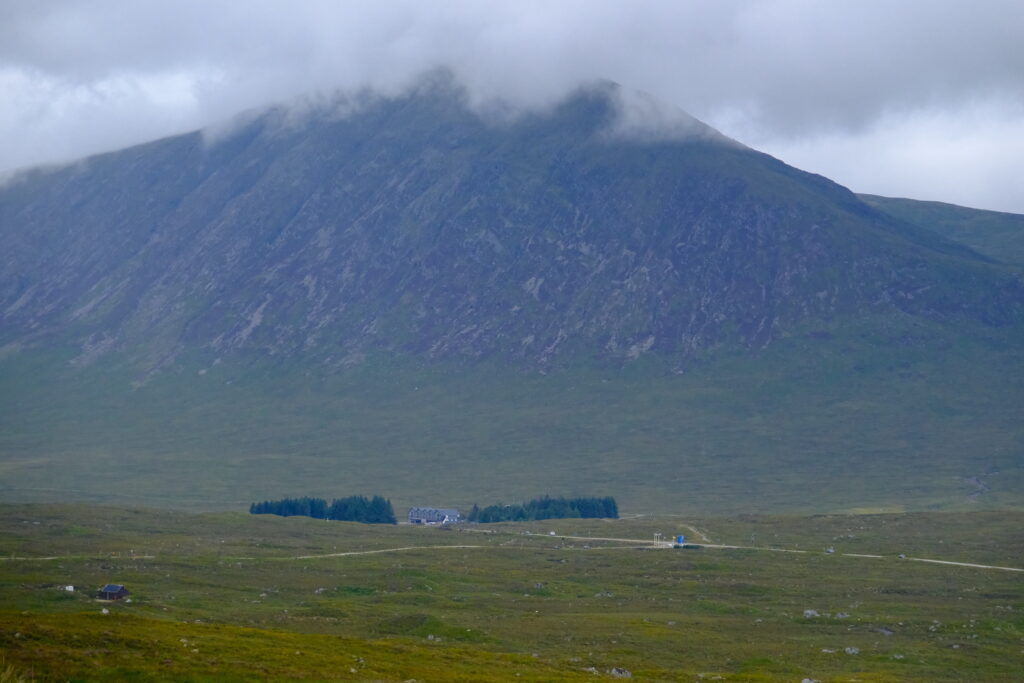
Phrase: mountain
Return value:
(413, 226)
(995, 234)
(402, 296)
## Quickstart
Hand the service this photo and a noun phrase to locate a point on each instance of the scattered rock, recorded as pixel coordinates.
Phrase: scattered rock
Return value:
(842, 615)
(852, 651)
(827, 650)
(810, 680)
(885, 631)
(619, 672)
(809, 613)
(104, 611)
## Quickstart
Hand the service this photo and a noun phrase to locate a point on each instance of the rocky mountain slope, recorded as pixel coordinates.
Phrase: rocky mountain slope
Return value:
(414, 226)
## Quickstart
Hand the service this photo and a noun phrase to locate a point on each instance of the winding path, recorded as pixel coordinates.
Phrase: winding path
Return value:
(666, 545)
(629, 543)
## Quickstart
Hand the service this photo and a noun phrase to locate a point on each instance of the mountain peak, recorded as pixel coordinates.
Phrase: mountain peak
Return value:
(603, 109)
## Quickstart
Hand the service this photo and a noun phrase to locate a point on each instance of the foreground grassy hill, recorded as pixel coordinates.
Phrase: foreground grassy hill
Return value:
(238, 597)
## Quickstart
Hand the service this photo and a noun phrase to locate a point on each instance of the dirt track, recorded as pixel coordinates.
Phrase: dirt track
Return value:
(628, 543)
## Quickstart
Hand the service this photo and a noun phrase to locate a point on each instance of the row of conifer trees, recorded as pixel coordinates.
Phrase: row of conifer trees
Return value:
(546, 508)
(376, 510)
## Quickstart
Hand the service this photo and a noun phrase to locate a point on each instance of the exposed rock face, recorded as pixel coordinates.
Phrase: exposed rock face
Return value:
(413, 226)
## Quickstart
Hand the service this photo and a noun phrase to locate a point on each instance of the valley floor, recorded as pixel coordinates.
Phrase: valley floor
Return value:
(239, 597)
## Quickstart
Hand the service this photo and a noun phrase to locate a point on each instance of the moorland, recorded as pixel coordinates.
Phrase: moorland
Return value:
(243, 597)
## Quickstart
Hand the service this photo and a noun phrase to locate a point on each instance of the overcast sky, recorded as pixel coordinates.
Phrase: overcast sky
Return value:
(922, 99)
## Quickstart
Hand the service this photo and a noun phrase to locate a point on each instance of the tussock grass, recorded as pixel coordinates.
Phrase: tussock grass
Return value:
(526, 603)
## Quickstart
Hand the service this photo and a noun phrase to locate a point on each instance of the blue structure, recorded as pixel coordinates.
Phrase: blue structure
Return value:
(680, 540)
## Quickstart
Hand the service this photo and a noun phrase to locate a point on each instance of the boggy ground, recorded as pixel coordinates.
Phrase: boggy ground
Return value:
(236, 597)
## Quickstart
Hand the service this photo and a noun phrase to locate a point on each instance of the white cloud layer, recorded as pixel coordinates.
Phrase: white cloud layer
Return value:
(914, 98)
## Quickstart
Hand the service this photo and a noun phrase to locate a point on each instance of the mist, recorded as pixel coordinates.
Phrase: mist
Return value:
(906, 99)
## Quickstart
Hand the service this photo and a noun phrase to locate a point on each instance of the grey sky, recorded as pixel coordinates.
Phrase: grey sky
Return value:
(900, 97)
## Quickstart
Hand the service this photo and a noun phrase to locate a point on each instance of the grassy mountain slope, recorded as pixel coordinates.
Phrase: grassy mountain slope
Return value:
(995, 234)
(816, 423)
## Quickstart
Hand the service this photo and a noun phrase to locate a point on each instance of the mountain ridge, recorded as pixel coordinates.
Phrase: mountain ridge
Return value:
(997, 235)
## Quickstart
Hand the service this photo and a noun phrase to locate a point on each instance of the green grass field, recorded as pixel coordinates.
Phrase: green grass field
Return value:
(230, 596)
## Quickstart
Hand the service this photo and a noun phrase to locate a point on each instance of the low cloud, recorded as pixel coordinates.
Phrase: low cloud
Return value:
(640, 115)
(837, 87)
(970, 155)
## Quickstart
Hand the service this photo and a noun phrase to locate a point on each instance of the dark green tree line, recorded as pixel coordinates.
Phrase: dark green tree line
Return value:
(376, 510)
(547, 508)
(292, 507)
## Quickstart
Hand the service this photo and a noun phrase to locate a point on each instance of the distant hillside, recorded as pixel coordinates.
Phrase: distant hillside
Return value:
(992, 233)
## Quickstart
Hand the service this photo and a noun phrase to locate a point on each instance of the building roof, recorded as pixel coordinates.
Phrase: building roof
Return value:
(444, 511)
(112, 588)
